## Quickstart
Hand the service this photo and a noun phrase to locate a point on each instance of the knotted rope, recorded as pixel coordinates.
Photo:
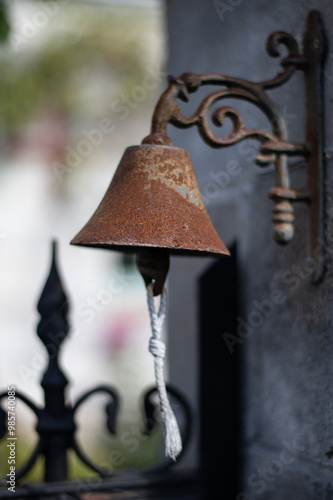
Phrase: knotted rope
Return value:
(173, 442)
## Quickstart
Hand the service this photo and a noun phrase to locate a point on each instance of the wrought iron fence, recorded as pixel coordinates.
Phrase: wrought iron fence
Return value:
(57, 428)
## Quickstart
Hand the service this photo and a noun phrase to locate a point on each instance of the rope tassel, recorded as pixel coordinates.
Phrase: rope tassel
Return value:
(173, 442)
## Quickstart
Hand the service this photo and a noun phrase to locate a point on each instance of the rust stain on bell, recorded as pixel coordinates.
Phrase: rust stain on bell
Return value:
(153, 201)
(179, 179)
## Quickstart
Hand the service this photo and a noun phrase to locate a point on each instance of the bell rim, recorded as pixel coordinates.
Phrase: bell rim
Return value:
(162, 146)
(132, 249)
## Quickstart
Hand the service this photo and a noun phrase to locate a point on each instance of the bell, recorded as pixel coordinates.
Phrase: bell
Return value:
(153, 201)
(153, 207)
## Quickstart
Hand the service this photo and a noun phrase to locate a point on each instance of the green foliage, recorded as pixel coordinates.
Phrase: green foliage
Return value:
(113, 453)
(4, 22)
(86, 46)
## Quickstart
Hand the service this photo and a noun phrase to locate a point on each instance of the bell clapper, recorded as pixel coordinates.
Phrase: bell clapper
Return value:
(153, 264)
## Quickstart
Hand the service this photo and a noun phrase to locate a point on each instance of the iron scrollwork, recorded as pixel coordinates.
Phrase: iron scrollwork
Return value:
(56, 425)
(274, 145)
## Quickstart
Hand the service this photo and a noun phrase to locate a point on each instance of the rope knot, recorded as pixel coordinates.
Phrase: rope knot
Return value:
(157, 348)
(173, 442)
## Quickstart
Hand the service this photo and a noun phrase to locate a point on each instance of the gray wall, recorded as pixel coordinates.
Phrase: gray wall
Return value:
(288, 382)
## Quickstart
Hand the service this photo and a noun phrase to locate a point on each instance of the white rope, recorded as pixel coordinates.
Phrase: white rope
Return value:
(173, 442)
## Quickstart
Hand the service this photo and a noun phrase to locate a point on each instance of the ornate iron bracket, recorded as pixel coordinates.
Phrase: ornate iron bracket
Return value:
(55, 421)
(274, 146)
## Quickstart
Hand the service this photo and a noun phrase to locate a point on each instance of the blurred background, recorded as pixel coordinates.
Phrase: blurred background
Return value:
(78, 84)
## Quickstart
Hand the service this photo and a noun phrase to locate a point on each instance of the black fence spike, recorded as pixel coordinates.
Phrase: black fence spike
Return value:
(56, 425)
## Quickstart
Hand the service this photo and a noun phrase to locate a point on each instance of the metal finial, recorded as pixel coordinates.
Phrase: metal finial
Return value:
(53, 308)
